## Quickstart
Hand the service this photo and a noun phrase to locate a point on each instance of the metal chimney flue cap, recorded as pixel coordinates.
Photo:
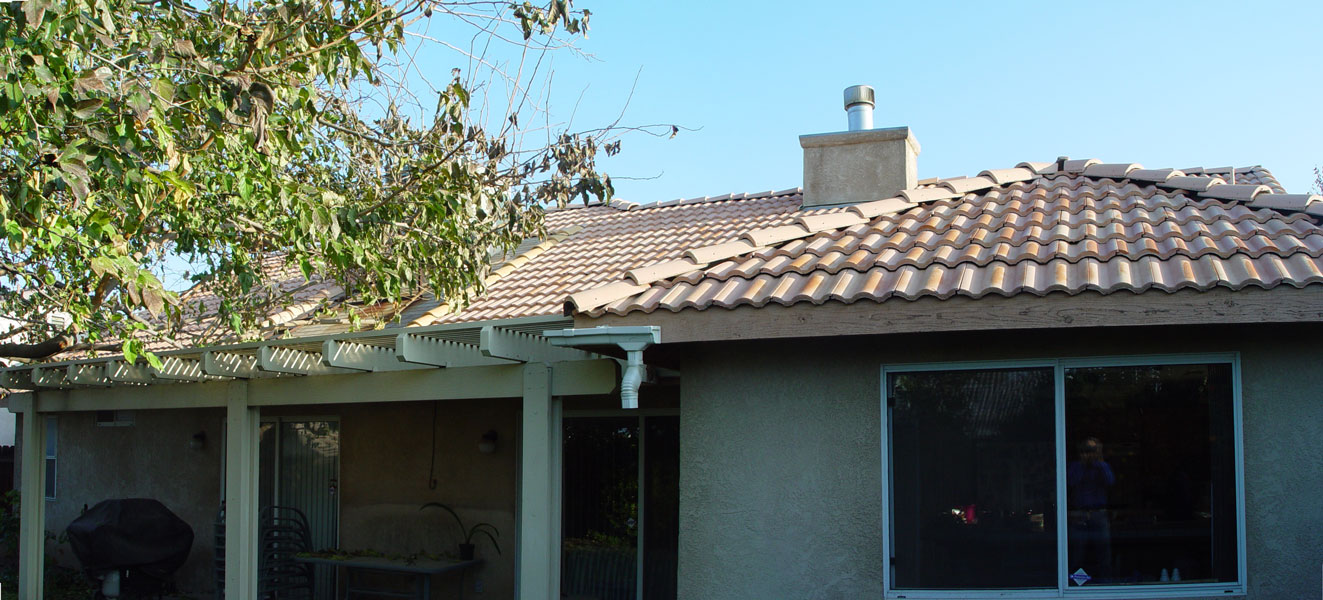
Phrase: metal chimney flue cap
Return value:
(858, 94)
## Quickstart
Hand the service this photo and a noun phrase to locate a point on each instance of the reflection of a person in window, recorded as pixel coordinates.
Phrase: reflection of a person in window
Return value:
(1090, 530)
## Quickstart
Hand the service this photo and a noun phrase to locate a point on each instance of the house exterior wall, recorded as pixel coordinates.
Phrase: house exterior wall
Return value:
(780, 452)
(150, 459)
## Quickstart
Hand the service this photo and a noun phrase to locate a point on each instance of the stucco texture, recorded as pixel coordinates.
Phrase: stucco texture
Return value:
(150, 459)
(781, 452)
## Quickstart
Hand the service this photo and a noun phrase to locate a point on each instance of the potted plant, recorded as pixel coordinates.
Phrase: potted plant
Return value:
(466, 547)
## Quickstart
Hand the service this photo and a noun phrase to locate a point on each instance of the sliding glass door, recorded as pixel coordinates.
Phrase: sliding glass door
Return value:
(619, 510)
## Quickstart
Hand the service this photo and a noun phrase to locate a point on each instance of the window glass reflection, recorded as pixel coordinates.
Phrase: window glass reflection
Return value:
(1150, 475)
(974, 475)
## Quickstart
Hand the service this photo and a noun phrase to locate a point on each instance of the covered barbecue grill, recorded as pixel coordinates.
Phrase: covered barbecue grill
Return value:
(136, 542)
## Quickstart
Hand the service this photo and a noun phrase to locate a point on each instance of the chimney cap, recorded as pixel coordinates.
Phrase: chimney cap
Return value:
(858, 94)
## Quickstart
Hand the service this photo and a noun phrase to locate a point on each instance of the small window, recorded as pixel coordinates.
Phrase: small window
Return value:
(114, 418)
(52, 440)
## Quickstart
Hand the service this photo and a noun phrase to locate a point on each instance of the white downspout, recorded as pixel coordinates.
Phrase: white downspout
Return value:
(633, 340)
(632, 378)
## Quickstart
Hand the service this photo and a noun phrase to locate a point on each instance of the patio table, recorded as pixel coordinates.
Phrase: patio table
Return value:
(421, 570)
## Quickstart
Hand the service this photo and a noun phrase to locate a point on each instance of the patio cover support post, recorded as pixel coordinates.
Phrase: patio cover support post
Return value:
(32, 504)
(536, 578)
(241, 464)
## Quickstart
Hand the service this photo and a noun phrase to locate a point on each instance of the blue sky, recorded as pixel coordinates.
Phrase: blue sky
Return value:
(982, 85)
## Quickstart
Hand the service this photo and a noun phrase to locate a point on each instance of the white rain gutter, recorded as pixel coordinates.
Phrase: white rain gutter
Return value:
(633, 340)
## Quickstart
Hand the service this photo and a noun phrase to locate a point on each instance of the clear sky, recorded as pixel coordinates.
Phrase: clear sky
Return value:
(982, 85)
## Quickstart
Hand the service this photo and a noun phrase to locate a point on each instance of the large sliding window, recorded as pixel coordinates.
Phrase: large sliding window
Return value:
(1110, 476)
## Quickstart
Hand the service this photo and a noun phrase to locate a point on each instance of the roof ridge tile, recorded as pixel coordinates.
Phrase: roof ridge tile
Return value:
(1153, 175)
(767, 236)
(823, 222)
(921, 195)
(1036, 167)
(1238, 192)
(1111, 170)
(1078, 166)
(1013, 175)
(662, 270)
(1191, 183)
(877, 208)
(1307, 203)
(970, 184)
(592, 299)
(718, 252)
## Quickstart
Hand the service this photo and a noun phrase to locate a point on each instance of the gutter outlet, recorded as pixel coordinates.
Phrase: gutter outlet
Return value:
(633, 340)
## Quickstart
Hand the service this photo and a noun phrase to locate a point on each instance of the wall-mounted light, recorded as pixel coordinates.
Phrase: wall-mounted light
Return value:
(487, 445)
(198, 441)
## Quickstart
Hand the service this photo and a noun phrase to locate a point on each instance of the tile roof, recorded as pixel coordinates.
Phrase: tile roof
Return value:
(1068, 226)
(1036, 228)
(614, 240)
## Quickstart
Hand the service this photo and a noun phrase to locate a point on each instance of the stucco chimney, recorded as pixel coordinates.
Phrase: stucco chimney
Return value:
(849, 167)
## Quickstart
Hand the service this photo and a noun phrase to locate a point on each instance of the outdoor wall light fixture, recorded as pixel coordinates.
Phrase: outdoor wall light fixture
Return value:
(198, 441)
(487, 445)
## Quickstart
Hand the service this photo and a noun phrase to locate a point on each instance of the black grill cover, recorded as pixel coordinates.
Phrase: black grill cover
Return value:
(138, 534)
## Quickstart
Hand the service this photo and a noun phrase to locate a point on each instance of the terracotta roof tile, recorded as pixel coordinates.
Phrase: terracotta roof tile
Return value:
(1094, 230)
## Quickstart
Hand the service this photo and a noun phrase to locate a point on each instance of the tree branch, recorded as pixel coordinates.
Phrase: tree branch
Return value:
(36, 351)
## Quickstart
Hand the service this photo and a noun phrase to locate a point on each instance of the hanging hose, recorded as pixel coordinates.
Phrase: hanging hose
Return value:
(431, 470)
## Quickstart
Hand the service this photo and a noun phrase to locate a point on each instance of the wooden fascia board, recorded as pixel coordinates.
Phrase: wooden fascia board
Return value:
(1021, 312)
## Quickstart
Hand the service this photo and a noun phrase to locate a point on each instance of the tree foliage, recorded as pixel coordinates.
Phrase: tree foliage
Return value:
(137, 132)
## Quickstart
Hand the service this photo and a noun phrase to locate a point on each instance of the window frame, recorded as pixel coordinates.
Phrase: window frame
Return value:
(50, 452)
(1064, 589)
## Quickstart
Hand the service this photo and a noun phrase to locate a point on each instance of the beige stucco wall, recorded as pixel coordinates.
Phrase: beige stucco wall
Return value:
(150, 459)
(780, 453)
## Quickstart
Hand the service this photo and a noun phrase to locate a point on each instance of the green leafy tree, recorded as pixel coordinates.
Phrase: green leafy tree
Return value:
(139, 134)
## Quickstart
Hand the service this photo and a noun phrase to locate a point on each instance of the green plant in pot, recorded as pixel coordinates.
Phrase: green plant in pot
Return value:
(466, 547)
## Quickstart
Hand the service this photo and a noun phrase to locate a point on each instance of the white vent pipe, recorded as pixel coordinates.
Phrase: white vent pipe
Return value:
(859, 107)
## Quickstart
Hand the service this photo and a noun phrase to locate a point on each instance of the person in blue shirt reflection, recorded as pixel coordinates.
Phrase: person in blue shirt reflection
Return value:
(1089, 479)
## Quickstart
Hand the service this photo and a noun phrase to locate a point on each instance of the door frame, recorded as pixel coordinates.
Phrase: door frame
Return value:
(559, 469)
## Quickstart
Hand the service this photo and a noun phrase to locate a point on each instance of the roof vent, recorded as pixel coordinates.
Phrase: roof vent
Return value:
(859, 106)
(859, 165)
